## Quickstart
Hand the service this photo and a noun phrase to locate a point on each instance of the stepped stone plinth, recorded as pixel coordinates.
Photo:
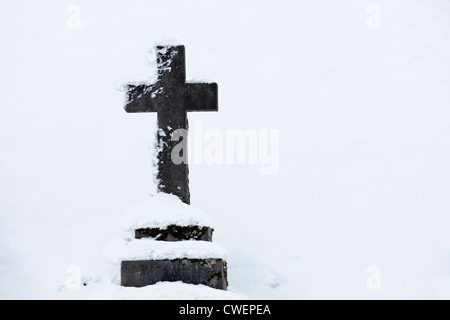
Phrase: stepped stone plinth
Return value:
(171, 241)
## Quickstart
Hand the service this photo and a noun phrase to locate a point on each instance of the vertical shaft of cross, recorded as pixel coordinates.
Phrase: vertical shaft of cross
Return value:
(171, 178)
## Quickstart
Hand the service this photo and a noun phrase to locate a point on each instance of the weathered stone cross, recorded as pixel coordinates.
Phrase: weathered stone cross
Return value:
(171, 97)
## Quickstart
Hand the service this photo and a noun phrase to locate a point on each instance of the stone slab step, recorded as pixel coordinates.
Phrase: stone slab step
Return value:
(209, 272)
(175, 233)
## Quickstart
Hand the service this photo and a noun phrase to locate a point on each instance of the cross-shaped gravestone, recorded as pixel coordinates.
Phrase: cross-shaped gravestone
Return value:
(171, 97)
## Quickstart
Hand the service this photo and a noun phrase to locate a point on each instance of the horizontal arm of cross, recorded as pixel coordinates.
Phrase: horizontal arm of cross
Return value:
(201, 97)
(197, 97)
(140, 98)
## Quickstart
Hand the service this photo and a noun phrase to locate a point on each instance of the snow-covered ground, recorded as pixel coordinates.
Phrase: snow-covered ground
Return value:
(359, 92)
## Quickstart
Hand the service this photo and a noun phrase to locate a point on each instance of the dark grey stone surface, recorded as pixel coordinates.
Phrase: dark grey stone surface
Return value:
(175, 233)
(209, 272)
(171, 98)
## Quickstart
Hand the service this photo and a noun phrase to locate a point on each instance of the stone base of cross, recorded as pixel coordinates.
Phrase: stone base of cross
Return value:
(198, 261)
(172, 242)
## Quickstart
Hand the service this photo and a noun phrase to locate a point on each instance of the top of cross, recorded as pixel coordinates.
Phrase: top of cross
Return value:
(171, 81)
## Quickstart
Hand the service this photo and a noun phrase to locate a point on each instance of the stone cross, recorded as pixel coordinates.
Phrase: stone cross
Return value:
(171, 98)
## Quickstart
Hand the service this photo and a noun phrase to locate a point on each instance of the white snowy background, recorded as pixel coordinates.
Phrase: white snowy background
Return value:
(364, 122)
